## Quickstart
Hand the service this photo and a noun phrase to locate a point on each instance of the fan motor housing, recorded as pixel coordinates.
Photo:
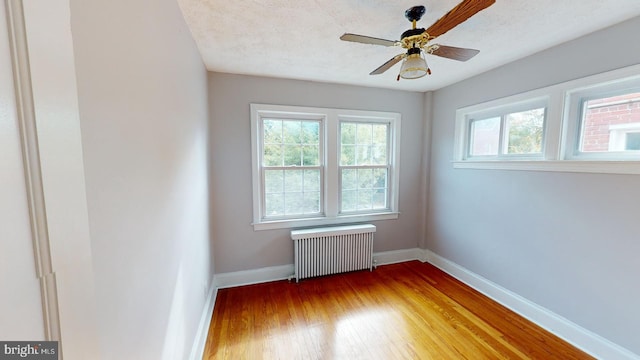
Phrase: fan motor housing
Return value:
(415, 13)
(411, 32)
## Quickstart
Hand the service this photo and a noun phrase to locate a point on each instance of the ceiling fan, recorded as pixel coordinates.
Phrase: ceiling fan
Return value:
(417, 40)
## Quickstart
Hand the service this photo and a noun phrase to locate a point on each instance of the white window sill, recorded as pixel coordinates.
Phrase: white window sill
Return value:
(342, 219)
(586, 166)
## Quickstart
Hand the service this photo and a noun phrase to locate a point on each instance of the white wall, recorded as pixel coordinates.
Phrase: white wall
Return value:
(237, 246)
(143, 108)
(539, 234)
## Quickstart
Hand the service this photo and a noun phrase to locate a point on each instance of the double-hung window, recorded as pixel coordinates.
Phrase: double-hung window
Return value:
(315, 166)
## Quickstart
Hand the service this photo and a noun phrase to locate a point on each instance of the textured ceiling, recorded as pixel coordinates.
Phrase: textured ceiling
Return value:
(299, 39)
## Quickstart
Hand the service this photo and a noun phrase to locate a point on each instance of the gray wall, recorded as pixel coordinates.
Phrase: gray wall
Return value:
(143, 110)
(237, 246)
(566, 241)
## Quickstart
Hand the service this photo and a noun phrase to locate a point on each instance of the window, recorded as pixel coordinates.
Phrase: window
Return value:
(314, 166)
(364, 166)
(605, 122)
(585, 125)
(291, 167)
(508, 131)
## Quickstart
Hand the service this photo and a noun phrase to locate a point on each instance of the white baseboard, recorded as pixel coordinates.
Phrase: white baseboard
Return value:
(576, 335)
(275, 273)
(197, 350)
(398, 256)
(254, 276)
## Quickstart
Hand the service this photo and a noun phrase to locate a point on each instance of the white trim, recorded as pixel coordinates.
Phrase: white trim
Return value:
(342, 219)
(574, 334)
(197, 349)
(330, 119)
(285, 272)
(32, 169)
(581, 166)
(398, 256)
(253, 276)
(57, 123)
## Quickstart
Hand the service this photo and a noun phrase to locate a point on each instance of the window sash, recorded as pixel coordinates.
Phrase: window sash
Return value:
(503, 132)
(359, 189)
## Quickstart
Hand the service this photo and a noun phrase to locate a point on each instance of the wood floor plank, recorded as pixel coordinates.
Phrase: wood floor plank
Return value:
(402, 311)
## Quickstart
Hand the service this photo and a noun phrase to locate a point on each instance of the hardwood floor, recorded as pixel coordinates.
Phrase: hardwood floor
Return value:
(402, 311)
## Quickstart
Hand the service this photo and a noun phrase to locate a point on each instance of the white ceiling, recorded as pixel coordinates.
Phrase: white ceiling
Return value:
(299, 39)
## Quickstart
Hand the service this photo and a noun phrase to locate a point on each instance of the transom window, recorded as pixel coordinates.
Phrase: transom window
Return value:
(609, 123)
(590, 124)
(507, 132)
(323, 166)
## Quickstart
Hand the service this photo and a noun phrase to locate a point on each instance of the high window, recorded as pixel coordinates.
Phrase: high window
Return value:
(323, 166)
(584, 125)
(504, 131)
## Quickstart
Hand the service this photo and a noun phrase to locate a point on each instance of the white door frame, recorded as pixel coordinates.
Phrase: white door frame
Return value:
(47, 106)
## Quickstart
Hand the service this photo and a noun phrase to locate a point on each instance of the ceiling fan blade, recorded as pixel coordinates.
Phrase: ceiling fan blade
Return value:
(455, 53)
(386, 66)
(458, 15)
(366, 40)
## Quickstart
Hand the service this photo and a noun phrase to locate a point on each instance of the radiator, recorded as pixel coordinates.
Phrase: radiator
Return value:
(332, 250)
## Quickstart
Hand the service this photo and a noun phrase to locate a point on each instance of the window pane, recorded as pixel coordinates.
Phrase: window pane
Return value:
(380, 199)
(291, 131)
(310, 155)
(380, 178)
(365, 199)
(524, 132)
(348, 133)
(274, 204)
(293, 203)
(607, 122)
(348, 155)
(272, 155)
(365, 178)
(310, 132)
(484, 137)
(633, 141)
(311, 180)
(349, 179)
(292, 180)
(349, 199)
(364, 134)
(273, 181)
(311, 203)
(272, 131)
(379, 155)
(292, 155)
(364, 189)
(380, 134)
(363, 155)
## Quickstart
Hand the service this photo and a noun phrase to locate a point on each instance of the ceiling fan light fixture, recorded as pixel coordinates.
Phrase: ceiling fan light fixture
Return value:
(414, 67)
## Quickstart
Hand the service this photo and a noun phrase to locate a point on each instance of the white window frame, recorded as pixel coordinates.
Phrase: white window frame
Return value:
(330, 157)
(574, 102)
(561, 126)
(499, 110)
